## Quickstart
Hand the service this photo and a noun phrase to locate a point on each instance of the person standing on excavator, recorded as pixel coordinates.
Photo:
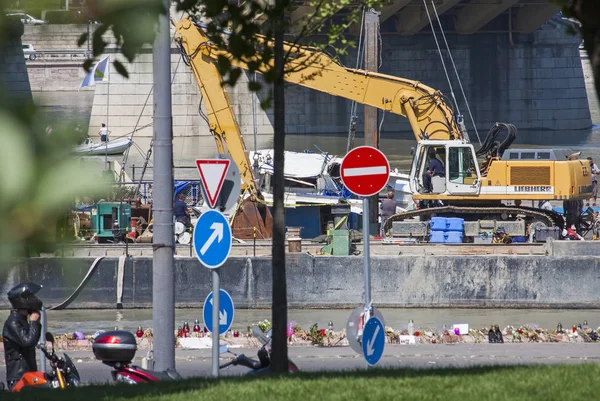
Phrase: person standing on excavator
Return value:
(434, 169)
(20, 336)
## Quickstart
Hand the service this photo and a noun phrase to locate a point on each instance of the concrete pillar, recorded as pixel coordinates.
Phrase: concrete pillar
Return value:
(473, 17)
(371, 120)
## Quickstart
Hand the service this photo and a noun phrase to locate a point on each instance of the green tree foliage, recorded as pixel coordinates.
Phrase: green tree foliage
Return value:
(40, 179)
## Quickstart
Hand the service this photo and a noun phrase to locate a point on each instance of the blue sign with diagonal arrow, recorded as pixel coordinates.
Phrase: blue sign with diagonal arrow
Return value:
(226, 311)
(373, 340)
(212, 239)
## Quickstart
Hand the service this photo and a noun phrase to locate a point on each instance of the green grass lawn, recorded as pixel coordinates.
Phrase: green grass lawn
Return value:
(561, 382)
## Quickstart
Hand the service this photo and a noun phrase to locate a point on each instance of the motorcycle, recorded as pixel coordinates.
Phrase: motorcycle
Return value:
(117, 349)
(64, 373)
(263, 365)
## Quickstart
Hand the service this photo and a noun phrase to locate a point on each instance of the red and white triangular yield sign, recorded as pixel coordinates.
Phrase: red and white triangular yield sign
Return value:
(212, 173)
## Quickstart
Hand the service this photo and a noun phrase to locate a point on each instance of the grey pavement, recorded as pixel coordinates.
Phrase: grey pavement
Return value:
(192, 363)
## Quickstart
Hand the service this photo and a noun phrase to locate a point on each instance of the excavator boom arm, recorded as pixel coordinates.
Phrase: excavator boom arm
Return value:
(426, 109)
(221, 120)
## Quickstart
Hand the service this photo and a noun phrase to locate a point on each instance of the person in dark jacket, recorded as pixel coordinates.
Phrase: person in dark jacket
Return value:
(388, 209)
(19, 335)
(180, 210)
(434, 169)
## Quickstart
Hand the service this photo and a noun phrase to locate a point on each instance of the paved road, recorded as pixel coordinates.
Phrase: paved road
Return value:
(198, 362)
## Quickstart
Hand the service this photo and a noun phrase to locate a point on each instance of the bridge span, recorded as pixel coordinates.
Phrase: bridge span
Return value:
(517, 61)
(464, 17)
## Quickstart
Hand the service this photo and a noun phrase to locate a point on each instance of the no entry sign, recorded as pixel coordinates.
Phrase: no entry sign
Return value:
(365, 171)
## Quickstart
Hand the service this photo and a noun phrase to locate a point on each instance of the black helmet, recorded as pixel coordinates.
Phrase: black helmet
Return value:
(23, 296)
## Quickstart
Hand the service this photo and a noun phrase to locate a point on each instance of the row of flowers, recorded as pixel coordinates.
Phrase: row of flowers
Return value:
(327, 337)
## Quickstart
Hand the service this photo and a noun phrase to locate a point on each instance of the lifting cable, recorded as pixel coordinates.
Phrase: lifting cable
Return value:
(455, 71)
(380, 42)
(441, 57)
(354, 105)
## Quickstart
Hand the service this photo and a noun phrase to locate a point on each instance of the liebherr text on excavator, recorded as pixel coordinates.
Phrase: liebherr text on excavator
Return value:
(491, 191)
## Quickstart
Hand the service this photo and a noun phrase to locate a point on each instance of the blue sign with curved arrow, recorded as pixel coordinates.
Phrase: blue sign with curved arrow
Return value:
(212, 239)
(373, 340)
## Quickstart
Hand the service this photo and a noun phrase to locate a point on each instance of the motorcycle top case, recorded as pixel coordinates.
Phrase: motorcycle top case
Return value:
(115, 346)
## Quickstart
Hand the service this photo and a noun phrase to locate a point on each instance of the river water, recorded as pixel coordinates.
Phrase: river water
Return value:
(88, 321)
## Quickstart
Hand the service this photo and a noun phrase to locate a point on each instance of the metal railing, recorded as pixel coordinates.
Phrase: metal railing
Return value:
(136, 171)
(58, 55)
(191, 188)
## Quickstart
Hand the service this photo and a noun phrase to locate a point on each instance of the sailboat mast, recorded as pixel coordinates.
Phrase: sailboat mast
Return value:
(107, 114)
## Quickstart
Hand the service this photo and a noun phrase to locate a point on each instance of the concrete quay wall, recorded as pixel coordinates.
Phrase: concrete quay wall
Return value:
(493, 281)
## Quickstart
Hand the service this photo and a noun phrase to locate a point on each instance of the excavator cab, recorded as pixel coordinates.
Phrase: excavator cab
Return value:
(458, 174)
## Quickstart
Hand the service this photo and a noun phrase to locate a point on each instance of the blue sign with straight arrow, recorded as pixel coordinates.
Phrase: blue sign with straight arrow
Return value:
(212, 239)
(226, 311)
(373, 340)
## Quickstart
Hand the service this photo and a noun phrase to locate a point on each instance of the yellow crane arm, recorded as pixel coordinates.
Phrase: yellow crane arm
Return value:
(426, 109)
(221, 120)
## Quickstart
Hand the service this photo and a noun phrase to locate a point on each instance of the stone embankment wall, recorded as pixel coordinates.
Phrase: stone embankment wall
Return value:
(56, 72)
(536, 82)
(590, 88)
(491, 281)
(55, 36)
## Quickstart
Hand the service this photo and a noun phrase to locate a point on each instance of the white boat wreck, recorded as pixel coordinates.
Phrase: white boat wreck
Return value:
(313, 184)
(316, 176)
(112, 147)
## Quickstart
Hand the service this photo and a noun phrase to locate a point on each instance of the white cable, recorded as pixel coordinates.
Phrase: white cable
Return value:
(456, 71)
(359, 57)
(441, 57)
(380, 40)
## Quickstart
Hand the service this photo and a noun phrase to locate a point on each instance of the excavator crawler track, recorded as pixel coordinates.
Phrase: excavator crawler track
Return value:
(473, 213)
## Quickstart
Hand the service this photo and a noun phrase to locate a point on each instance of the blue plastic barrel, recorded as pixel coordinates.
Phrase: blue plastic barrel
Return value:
(438, 224)
(438, 237)
(455, 224)
(454, 237)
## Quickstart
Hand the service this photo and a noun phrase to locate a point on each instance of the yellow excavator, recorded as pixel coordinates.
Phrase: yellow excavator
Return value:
(491, 193)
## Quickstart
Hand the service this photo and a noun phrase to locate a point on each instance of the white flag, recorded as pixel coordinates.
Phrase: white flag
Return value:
(99, 73)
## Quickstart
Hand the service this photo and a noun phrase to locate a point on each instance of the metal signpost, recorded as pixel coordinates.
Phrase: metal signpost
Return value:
(212, 240)
(226, 311)
(42, 340)
(355, 326)
(365, 171)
